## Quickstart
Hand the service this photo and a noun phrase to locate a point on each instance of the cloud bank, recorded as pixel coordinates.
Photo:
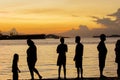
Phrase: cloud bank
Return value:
(112, 27)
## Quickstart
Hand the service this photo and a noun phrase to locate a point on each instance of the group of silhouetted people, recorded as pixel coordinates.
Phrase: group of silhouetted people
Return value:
(103, 52)
(62, 49)
(31, 61)
(61, 60)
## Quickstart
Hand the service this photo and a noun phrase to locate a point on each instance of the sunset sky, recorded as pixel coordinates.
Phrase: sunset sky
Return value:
(53, 16)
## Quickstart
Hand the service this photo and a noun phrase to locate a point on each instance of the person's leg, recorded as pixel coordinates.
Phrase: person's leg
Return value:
(36, 71)
(81, 67)
(32, 74)
(102, 65)
(78, 72)
(15, 76)
(64, 67)
(81, 72)
(101, 71)
(31, 71)
(118, 71)
(59, 70)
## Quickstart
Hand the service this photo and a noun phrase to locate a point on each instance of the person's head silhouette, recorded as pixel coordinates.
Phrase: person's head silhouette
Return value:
(103, 37)
(16, 57)
(30, 42)
(77, 39)
(118, 43)
(62, 40)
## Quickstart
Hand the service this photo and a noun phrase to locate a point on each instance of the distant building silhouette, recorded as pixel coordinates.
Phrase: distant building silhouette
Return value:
(13, 32)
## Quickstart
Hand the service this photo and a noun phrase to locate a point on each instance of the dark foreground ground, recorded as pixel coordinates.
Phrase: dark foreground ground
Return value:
(95, 78)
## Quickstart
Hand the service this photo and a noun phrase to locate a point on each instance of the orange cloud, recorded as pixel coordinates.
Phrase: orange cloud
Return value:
(39, 11)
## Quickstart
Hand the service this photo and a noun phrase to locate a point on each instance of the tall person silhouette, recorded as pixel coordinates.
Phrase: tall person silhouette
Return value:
(78, 56)
(117, 60)
(102, 54)
(61, 50)
(32, 58)
(15, 68)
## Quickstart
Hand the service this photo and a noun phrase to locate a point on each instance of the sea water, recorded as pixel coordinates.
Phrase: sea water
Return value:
(47, 58)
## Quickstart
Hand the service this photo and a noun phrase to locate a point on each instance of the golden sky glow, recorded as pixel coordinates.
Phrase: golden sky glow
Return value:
(52, 16)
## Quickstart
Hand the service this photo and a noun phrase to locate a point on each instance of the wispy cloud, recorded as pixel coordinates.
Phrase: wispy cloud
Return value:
(47, 12)
(111, 27)
(75, 16)
(109, 23)
(39, 11)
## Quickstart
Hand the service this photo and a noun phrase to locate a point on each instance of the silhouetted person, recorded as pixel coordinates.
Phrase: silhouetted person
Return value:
(102, 54)
(15, 68)
(61, 50)
(78, 56)
(117, 60)
(32, 58)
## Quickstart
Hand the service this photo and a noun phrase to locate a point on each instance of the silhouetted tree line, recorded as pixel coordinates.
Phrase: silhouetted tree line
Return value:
(31, 36)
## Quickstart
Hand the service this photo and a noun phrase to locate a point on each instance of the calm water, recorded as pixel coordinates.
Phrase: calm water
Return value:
(47, 56)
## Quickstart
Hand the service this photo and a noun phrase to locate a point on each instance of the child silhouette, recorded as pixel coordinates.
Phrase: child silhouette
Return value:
(15, 68)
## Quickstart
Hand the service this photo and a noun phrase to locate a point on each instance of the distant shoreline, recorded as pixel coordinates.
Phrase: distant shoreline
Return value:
(32, 36)
(13, 37)
(112, 36)
(40, 36)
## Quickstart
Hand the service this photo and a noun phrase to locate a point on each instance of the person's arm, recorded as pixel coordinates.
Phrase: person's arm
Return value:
(57, 50)
(82, 49)
(66, 48)
(74, 56)
(18, 70)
